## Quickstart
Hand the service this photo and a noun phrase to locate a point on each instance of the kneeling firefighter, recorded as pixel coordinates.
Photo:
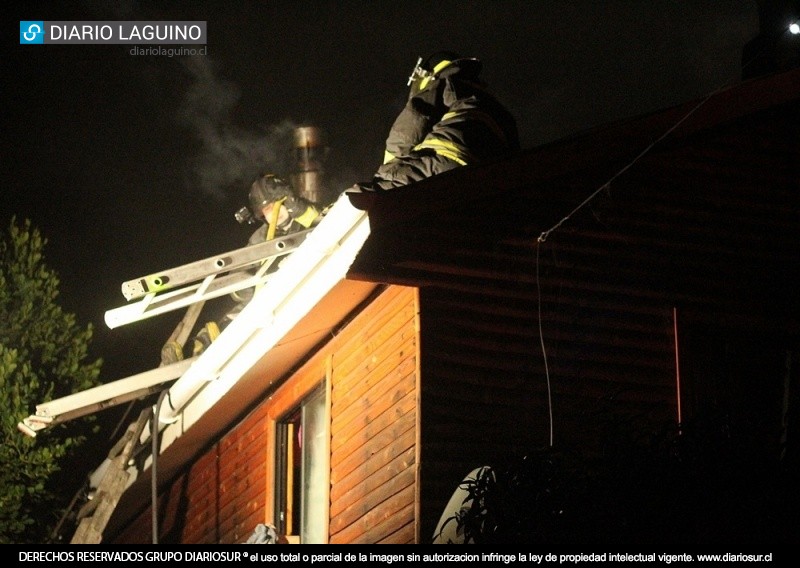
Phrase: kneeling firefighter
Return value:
(449, 120)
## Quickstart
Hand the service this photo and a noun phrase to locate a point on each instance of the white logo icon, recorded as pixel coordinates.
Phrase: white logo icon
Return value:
(31, 33)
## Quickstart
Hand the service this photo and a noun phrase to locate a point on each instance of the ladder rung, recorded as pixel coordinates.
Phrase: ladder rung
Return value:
(225, 262)
(152, 304)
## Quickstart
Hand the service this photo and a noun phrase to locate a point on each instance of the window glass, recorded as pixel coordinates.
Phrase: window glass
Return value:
(302, 470)
(314, 469)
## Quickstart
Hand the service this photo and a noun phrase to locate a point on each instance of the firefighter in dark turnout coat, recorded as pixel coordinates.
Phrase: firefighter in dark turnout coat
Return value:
(449, 120)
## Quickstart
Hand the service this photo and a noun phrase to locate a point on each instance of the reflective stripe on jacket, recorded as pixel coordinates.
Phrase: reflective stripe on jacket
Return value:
(452, 122)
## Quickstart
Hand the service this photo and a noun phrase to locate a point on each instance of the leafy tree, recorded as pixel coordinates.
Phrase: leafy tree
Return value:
(43, 356)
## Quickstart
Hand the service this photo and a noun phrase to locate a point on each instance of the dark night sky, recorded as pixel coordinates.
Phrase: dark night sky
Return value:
(131, 164)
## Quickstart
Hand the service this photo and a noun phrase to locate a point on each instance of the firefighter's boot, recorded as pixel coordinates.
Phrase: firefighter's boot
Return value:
(171, 352)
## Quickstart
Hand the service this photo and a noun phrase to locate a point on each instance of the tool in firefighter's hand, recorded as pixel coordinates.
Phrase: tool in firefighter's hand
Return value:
(244, 217)
(274, 214)
(272, 227)
(417, 73)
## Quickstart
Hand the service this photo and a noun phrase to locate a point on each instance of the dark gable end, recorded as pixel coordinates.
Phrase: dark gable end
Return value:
(699, 236)
(714, 202)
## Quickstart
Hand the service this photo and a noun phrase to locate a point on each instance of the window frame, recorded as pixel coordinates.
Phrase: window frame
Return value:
(289, 396)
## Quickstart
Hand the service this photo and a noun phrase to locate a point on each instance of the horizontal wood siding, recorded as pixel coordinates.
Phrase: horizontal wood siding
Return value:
(219, 499)
(373, 366)
(707, 226)
(373, 430)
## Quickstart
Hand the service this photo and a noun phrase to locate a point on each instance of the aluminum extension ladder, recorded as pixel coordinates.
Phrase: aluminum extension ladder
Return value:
(205, 279)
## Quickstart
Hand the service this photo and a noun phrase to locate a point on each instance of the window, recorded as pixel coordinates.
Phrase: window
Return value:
(301, 470)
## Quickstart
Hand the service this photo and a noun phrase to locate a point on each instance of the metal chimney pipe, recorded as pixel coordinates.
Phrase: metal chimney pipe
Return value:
(309, 153)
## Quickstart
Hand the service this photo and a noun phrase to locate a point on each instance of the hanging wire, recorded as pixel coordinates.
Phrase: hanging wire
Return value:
(677, 367)
(543, 237)
(541, 342)
(545, 234)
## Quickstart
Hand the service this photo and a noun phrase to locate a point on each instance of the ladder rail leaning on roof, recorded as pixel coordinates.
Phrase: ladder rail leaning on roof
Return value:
(221, 274)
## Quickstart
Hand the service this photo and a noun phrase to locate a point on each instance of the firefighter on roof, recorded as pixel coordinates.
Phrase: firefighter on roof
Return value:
(273, 201)
(449, 120)
(280, 207)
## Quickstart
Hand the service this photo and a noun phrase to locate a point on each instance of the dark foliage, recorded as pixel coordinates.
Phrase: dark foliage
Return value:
(697, 484)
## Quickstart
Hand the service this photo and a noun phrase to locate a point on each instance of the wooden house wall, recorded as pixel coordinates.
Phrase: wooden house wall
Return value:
(220, 499)
(701, 234)
(372, 368)
(374, 401)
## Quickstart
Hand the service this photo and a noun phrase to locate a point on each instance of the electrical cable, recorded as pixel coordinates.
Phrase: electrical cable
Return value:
(545, 234)
(544, 351)
(543, 237)
(677, 366)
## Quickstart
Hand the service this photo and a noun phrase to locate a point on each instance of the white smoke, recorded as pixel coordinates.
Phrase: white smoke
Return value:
(230, 156)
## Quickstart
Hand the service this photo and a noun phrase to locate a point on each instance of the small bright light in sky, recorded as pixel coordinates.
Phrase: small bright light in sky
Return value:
(795, 28)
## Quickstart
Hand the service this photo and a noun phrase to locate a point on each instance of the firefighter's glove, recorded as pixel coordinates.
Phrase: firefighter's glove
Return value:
(363, 187)
(301, 211)
(171, 352)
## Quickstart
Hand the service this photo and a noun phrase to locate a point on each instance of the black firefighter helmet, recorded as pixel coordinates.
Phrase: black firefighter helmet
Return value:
(267, 189)
(429, 68)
